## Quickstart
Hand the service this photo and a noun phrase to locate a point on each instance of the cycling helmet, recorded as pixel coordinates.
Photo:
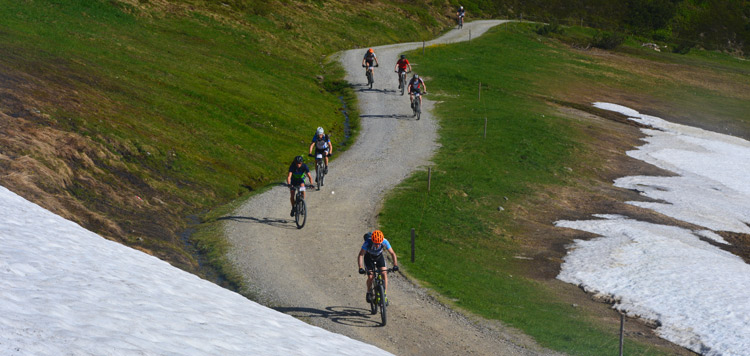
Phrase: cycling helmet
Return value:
(370, 50)
(403, 56)
(461, 7)
(377, 237)
(320, 131)
(298, 159)
(416, 76)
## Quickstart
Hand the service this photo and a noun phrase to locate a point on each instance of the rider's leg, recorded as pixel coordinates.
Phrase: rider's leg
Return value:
(303, 192)
(385, 278)
(291, 197)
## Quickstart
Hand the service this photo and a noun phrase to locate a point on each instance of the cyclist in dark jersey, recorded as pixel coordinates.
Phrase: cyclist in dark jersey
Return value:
(402, 65)
(414, 87)
(297, 171)
(461, 13)
(371, 254)
(322, 144)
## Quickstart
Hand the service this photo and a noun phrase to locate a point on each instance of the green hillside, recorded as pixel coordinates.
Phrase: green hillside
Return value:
(130, 116)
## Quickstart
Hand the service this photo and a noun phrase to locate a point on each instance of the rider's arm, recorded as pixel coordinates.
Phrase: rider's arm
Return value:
(311, 146)
(393, 256)
(423, 85)
(309, 177)
(330, 147)
(289, 178)
(360, 258)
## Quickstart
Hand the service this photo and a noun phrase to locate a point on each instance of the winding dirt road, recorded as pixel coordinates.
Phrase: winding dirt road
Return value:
(312, 273)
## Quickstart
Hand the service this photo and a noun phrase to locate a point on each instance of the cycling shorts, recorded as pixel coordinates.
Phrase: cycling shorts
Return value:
(369, 63)
(324, 151)
(401, 70)
(372, 261)
(296, 183)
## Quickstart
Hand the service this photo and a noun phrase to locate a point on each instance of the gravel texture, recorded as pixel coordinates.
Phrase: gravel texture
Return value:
(312, 273)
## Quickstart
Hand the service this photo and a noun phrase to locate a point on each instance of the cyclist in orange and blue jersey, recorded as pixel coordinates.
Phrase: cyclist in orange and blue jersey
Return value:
(371, 254)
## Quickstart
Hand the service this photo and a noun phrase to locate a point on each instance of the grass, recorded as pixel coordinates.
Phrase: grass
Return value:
(465, 243)
(188, 103)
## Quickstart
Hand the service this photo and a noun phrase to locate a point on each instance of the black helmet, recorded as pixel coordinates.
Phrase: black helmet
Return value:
(298, 159)
(403, 56)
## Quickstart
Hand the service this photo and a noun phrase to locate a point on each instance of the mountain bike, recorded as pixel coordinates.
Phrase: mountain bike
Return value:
(370, 78)
(320, 168)
(378, 295)
(460, 22)
(402, 81)
(416, 105)
(300, 208)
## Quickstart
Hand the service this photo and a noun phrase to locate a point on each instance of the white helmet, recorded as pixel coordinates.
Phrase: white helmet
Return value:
(461, 7)
(320, 131)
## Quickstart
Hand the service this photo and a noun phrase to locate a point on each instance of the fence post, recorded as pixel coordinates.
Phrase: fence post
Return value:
(412, 245)
(622, 331)
(429, 178)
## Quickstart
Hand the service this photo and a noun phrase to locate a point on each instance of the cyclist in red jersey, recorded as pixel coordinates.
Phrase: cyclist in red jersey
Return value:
(402, 66)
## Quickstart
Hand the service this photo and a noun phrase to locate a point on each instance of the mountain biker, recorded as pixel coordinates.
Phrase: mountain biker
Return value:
(414, 86)
(402, 65)
(460, 14)
(371, 254)
(296, 177)
(369, 58)
(322, 144)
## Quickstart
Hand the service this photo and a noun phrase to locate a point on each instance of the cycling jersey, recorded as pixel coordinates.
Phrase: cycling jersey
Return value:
(298, 173)
(414, 84)
(370, 57)
(321, 143)
(369, 247)
(402, 63)
(461, 13)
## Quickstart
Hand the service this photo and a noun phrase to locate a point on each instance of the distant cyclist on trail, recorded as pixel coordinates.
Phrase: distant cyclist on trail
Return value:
(369, 59)
(460, 14)
(371, 254)
(402, 65)
(322, 144)
(297, 171)
(414, 87)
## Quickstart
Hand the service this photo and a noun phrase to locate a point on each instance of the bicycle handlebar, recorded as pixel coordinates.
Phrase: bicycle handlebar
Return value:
(312, 155)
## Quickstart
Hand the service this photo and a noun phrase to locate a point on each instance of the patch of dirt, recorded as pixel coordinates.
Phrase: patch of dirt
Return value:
(48, 161)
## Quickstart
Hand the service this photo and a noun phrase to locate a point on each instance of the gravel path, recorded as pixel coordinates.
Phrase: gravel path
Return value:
(312, 273)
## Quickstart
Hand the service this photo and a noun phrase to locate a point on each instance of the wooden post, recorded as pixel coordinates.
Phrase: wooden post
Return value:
(412, 245)
(429, 178)
(622, 331)
(485, 127)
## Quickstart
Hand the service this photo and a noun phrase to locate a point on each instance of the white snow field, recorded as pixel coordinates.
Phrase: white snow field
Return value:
(67, 291)
(698, 294)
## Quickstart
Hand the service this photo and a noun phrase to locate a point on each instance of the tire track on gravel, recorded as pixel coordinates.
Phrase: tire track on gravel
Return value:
(311, 273)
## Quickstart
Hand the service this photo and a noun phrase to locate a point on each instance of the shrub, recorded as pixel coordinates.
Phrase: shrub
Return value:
(553, 27)
(607, 40)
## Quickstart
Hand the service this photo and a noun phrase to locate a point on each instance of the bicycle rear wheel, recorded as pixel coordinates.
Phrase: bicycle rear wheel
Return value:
(300, 216)
(417, 108)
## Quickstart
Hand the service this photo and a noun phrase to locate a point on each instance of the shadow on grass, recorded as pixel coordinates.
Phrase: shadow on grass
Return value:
(349, 316)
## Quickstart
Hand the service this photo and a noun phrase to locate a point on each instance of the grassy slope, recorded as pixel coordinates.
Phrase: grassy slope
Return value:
(179, 106)
(529, 150)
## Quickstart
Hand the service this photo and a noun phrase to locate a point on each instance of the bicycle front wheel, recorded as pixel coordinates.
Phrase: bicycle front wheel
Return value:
(319, 176)
(382, 303)
(300, 217)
